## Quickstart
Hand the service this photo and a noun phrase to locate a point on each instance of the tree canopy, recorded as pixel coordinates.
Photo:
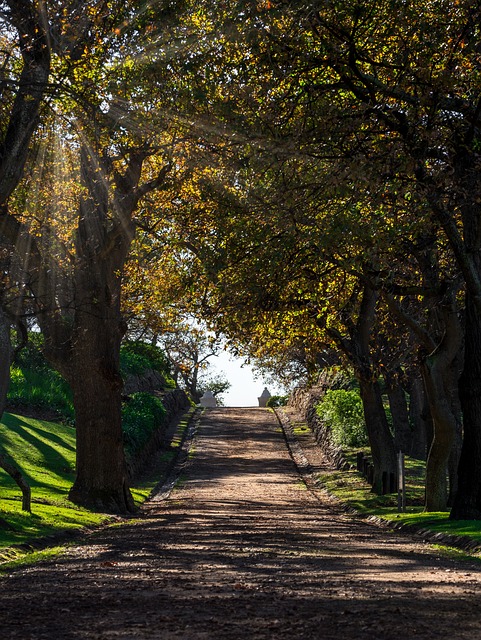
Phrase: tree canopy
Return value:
(303, 179)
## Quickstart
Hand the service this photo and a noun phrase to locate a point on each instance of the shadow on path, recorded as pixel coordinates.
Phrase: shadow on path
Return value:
(242, 550)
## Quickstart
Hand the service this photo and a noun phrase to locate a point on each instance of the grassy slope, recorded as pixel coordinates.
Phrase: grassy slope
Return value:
(45, 453)
(351, 488)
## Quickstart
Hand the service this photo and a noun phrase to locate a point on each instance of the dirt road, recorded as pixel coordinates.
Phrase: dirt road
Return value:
(241, 550)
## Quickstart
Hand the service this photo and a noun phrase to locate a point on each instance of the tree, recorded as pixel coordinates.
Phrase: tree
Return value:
(323, 166)
(23, 81)
(25, 68)
(189, 349)
(217, 384)
(117, 147)
(383, 97)
(413, 118)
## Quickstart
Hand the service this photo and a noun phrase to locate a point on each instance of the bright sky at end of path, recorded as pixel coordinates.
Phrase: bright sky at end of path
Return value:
(245, 389)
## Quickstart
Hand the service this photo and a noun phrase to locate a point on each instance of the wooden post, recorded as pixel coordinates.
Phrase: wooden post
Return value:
(401, 488)
(360, 457)
(370, 474)
(365, 466)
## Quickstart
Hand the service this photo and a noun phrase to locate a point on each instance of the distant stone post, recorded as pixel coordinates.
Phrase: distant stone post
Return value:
(208, 400)
(264, 397)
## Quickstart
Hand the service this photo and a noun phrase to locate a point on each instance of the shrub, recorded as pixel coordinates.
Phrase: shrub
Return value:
(133, 364)
(142, 414)
(137, 357)
(33, 382)
(152, 357)
(342, 413)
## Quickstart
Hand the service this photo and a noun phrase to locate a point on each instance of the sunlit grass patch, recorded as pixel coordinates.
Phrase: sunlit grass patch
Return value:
(15, 560)
(352, 489)
(415, 471)
(300, 429)
(440, 522)
(45, 454)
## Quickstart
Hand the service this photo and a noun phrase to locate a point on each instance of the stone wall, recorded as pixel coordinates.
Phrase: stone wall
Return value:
(304, 401)
(148, 382)
(176, 402)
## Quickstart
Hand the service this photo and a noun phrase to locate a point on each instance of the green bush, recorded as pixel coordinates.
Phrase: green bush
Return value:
(342, 413)
(141, 356)
(137, 357)
(34, 383)
(142, 413)
(133, 364)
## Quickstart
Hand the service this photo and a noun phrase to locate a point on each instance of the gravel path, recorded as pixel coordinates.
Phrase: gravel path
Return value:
(242, 550)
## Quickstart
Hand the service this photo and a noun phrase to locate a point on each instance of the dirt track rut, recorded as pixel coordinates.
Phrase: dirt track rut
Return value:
(242, 550)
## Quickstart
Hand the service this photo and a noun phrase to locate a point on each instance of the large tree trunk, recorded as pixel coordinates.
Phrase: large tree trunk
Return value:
(30, 20)
(92, 369)
(467, 502)
(440, 372)
(420, 418)
(86, 349)
(441, 445)
(380, 437)
(102, 478)
(102, 482)
(453, 462)
(358, 350)
(399, 411)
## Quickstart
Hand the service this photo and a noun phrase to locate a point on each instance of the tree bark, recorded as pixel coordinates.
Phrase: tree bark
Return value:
(380, 437)
(88, 354)
(400, 414)
(438, 369)
(357, 349)
(420, 418)
(444, 435)
(102, 480)
(93, 372)
(29, 19)
(467, 502)
(83, 338)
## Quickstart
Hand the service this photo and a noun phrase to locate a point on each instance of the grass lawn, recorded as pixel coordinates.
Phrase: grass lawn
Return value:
(45, 454)
(351, 488)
